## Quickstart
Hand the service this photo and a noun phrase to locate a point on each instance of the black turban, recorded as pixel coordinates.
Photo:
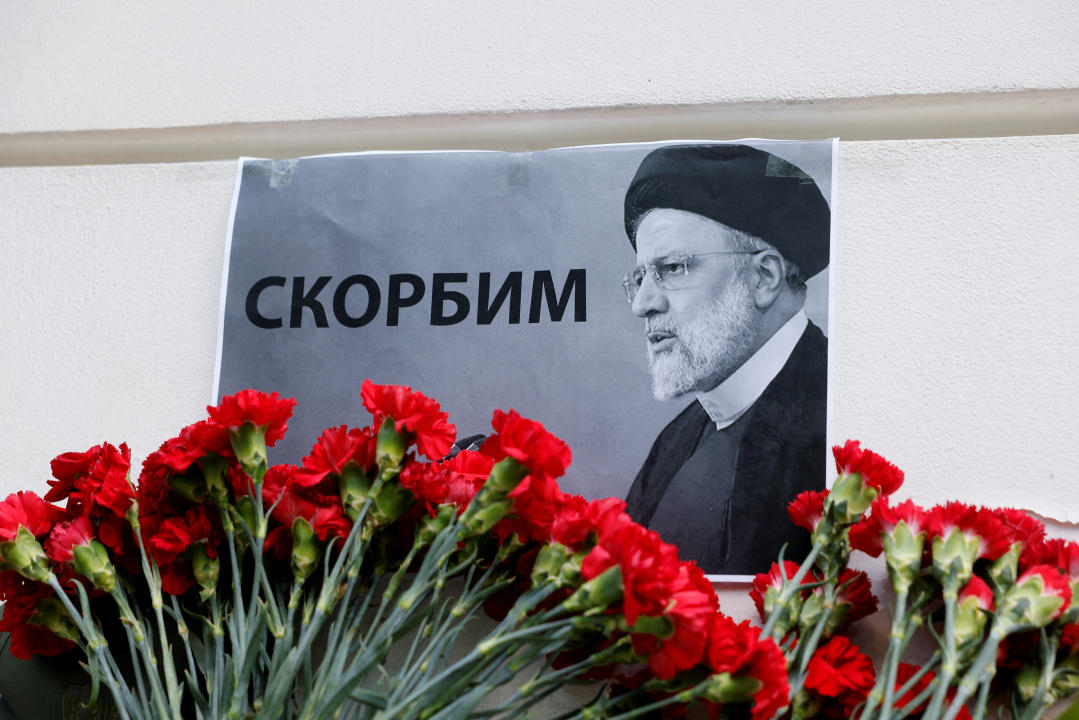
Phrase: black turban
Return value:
(741, 187)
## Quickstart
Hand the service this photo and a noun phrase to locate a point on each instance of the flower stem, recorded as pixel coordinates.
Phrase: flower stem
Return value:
(949, 662)
(896, 644)
(982, 670)
(792, 586)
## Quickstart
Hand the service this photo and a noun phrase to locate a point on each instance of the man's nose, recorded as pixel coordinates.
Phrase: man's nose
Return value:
(650, 298)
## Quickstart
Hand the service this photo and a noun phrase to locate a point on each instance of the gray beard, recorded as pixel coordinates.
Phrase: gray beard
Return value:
(707, 349)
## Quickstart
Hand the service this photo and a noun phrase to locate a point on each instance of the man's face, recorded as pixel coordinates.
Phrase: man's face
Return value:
(700, 333)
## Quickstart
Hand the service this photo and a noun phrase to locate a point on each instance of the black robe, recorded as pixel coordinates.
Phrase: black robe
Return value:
(782, 452)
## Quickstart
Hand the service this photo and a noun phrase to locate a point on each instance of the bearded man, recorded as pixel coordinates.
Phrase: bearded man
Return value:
(726, 236)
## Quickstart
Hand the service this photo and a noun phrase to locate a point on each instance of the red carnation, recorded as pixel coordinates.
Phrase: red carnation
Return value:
(269, 411)
(1054, 584)
(290, 501)
(1069, 637)
(980, 591)
(96, 478)
(854, 595)
(738, 649)
(874, 469)
(994, 537)
(571, 525)
(534, 515)
(66, 536)
(178, 454)
(1022, 528)
(771, 579)
(807, 508)
(530, 444)
(453, 481)
(838, 669)
(649, 567)
(692, 605)
(866, 534)
(607, 515)
(1060, 553)
(22, 598)
(413, 412)
(335, 448)
(176, 535)
(25, 509)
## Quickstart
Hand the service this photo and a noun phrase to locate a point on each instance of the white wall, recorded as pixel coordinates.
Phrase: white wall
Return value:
(957, 329)
(103, 65)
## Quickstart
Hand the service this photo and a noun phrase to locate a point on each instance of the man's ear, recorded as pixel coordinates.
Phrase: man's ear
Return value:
(769, 275)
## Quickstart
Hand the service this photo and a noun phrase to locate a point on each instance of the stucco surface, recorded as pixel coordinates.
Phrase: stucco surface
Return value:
(107, 65)
(955, 340)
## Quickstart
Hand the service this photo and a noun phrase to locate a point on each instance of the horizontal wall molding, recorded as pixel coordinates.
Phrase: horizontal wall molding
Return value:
(1036, 112)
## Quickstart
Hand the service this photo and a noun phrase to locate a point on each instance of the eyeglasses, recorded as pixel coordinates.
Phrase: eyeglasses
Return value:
(673, 272)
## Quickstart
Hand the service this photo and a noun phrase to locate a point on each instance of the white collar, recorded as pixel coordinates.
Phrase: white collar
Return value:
(729, 400)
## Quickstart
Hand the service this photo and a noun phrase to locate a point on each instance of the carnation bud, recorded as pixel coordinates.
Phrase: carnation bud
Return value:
(1066, 680)
(206, 571)
(245, 513)
(391, 445)
(655, 625)
(812, 610)
(1038, 597)
(805, 705)
(505, 476)
(903, 555)
(249, 444)
(556, 563)
(786, 615)
(92, 562)
(975, 600)
(480, 521)
(50, 613)
(430, 527)
(723, 689)
(390, 503)
(954, 556)
(25, 556)
(354, 486)
(1005, 569)
(1026, 682)
(306, 550)
(599, 592)
(850, 497)
(190, 487)
(214, 469)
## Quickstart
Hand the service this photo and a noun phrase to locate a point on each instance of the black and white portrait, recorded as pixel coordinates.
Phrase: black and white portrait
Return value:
(725, 237)
(500, 280)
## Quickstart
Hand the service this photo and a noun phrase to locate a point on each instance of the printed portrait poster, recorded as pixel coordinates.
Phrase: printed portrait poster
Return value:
(664, 308)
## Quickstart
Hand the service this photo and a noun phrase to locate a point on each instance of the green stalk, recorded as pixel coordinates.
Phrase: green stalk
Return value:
(132, 625)
(181, 626)
(96, 643)
(280, 686)
(983, 699)
(949, 663)
(683, 697)
(896, 644)
(215, 678)
(1042, 699)
(806, 650)
(982, 669)
(153, 582)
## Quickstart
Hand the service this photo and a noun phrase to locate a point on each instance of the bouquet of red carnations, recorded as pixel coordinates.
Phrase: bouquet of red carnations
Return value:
(344, 587)
(997, 601)
(350, 586)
